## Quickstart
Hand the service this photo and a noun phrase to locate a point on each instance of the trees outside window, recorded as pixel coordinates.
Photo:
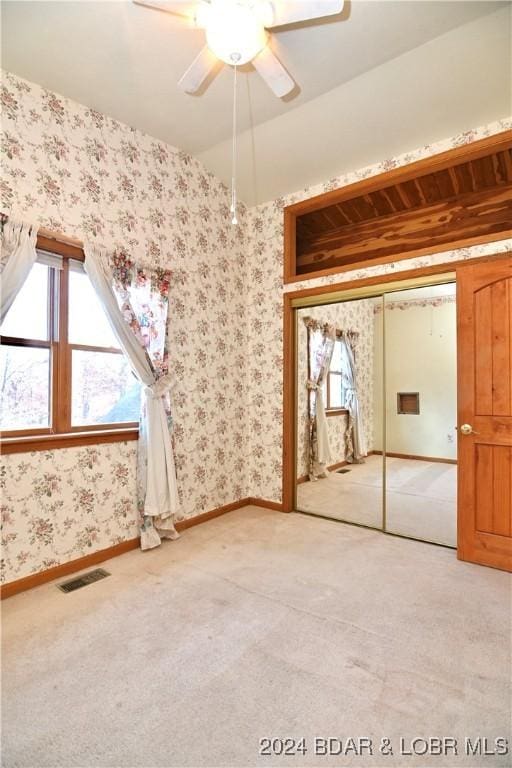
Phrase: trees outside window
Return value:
(61, 369)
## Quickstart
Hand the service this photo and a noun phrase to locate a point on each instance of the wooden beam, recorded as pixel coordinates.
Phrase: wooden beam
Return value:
(464, 220)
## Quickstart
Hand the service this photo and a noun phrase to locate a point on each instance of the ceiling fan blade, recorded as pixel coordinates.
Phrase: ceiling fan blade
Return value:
(273, 73)
(185, 8)
(291, 11)
(198, 71)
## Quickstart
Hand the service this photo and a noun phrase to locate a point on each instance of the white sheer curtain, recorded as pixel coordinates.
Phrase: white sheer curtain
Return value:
(321, 340)
(323, 449)
(18, 258)
(156, 474)
(355, 438)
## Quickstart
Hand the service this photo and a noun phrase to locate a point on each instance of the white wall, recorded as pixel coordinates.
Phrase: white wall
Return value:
(420, 356)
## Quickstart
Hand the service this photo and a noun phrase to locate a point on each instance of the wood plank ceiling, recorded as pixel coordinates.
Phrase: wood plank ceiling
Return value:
(467, 202)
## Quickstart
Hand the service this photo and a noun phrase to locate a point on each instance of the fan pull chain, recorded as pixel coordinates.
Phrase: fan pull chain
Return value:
(234, 219)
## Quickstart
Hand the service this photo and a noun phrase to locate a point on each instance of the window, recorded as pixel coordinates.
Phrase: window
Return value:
(61, 369)
(334, 387)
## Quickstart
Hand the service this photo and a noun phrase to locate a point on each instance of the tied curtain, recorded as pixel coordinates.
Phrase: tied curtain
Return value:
(321, 340)
(18, 257)
(136, 302)
(355, 439)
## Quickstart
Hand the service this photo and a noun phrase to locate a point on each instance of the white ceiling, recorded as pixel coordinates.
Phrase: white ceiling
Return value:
(125, 61)
(453, 83)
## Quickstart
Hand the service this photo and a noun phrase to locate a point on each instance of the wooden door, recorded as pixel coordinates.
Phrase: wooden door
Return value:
(484, 329)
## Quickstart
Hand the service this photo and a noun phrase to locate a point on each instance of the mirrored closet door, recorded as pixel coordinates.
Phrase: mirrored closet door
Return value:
(376, 440)
(420, 361)
(338, 473)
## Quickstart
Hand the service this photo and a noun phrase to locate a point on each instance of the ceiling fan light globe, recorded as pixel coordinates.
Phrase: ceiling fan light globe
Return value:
(264, 12)
(234, 33)
(202, 15)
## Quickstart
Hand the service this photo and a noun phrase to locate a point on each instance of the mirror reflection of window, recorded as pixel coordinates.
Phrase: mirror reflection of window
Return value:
(335, 386)
(349, 483)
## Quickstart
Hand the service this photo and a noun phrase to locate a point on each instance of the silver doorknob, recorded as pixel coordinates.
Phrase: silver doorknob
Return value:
(467, 429)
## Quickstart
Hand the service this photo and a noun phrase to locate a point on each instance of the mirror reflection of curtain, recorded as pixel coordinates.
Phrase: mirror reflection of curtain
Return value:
(321, 340)
(355, 438)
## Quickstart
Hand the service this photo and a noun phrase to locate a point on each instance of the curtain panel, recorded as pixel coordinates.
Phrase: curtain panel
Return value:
(136, 302)
(18, 257)
(355, 438)
(321, 340)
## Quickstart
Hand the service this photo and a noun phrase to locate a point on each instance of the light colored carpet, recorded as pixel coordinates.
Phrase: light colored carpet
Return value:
(258, 624)
(420, 497)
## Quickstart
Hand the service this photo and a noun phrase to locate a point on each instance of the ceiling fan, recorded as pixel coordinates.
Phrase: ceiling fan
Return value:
(236, 33)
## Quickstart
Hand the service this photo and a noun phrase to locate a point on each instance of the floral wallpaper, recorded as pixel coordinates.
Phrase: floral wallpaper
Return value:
(433, 301)
(264, 236)
(355, 316)
(76, 171)
(61, 505)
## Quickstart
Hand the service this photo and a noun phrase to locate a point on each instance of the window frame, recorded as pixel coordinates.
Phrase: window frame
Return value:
(60, 433)
(333, 411)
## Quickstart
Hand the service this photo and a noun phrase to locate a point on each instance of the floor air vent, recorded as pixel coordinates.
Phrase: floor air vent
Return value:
(342, 471)
(84, 580)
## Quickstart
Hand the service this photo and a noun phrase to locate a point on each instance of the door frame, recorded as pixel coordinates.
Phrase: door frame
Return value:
(327, 294)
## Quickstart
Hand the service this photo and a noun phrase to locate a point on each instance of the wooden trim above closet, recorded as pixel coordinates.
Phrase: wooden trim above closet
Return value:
(450, 200)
